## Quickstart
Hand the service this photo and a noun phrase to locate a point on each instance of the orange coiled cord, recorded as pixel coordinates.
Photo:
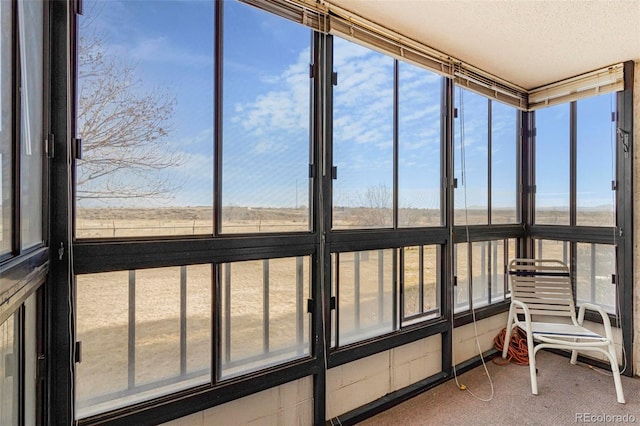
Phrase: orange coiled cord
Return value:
(518, 352)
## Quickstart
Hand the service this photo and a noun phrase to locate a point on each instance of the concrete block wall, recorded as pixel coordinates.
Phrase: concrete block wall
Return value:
(464, 337)
(288, 404)
(357, 383)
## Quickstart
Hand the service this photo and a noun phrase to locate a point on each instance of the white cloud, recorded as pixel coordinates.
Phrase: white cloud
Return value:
(205, 136)
(284, 109)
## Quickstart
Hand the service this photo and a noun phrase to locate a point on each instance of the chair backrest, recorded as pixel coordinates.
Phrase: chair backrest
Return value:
(544, 285)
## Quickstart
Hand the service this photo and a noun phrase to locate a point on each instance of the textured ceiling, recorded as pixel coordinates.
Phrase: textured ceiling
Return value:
(527, 42)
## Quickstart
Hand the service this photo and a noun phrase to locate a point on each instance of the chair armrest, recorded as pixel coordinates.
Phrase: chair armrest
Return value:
(525, 309)
(603, 314)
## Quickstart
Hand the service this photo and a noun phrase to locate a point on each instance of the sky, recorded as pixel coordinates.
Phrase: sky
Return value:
(266, 96)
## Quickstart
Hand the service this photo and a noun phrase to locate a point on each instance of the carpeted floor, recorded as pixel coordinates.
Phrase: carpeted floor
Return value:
(567, 394)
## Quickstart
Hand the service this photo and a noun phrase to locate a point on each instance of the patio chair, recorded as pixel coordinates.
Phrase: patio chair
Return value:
(541, 289)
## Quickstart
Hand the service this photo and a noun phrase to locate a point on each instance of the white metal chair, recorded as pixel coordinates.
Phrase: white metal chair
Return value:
(542, 288)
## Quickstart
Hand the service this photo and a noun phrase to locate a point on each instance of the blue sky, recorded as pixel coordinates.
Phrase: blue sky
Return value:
(266, 114)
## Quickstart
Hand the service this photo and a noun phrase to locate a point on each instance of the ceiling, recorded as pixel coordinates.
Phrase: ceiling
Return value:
(527, 42)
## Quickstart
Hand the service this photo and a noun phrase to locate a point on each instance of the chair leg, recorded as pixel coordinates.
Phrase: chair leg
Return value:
(616, 374)
(574, 354)
(507, 334)
(532, 362)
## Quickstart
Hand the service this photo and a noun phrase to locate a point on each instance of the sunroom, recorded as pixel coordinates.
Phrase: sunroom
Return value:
(297, 211)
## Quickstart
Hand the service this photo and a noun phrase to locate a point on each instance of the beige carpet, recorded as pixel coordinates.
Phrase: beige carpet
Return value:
(567, 394)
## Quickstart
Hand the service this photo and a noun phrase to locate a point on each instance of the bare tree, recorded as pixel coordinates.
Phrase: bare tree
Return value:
(377, 202)
(124, 130)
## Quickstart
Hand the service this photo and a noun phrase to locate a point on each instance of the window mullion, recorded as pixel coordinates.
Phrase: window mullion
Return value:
(395, 142)
(489, 157)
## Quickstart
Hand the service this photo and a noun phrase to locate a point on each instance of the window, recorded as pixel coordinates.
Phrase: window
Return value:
(31, 28)
(552, 165)
(485, 161)
(587, 168)
(484, 277)
(367, 284)
(471, 137)
(264, 313)
(420, 283)
(550, 249)
(6, 137)
(23, 126)
(217, 169)
(145, 117)
(504, 163)
(9, 376)
(461, 281)
(364, 283)
(265, 150)
(148, 335)
(18, 354)
(419, 146)
(595, 275)
(596, 165)
(386, 141)
(362, 137)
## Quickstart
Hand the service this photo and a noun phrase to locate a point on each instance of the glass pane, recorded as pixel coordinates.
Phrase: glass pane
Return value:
(418, 146)
(31, 334)
(144, 334)
(30, 24)
(460, 268)
(512, 255)
(9, 370)
(145, 116)
(480, 268)
(420, 285)
(265, 160)
(365, 294)
(550, 249)
(411, 281)
(431, 274)
(552, 165)
(471, 160)
(6, 116)
(504, 163)
(264, 313)
(596, 165)
(362, 137)
(595, 265)
(497, 270)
